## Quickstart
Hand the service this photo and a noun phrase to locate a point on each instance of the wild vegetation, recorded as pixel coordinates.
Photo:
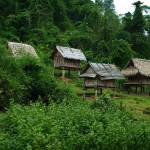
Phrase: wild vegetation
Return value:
(39, 111)
(75, 125)
(93, 27)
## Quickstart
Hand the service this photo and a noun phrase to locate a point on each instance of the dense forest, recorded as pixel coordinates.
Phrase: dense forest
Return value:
(93, 27)
(37, 110)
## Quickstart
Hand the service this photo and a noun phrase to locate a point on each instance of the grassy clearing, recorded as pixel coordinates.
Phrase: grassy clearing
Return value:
(136, 104)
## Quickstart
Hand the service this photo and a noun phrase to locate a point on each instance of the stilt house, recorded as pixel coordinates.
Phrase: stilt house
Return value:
(19, 49)
(138, 72)
(100, 75)
(66, 58)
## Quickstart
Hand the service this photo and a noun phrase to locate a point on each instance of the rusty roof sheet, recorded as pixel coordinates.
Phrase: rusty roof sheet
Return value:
(106, 71)
(71, 53)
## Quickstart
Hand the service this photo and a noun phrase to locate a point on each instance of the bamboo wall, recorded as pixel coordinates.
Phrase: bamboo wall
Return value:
(97, 82)
(60, 62)
(90, 82)
(74, 64)
(106, 83)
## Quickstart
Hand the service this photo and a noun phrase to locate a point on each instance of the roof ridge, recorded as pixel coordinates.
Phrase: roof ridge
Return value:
(92, 66)
(60, 49)
(71, 50)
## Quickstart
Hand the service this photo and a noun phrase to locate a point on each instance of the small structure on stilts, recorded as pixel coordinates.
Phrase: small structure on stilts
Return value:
(137, 71)
(100, 76)
(66, 58)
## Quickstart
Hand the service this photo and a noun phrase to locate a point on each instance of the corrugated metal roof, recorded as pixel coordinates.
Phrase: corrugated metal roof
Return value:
(71, 53)
(106, 71)
(19, 48)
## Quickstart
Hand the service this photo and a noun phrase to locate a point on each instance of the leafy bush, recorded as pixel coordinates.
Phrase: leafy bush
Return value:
(10, 89)
(103, 102)
(147, 111)
(10, 86)
(28, 79)
(42, 83)
(72, 126)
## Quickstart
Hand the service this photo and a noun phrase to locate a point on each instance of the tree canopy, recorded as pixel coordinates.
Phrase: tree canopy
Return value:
(77, 23)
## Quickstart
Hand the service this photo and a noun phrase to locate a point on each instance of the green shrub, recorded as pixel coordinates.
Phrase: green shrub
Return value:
(103, 102)
(72, 126)
(147, 111)
(28, 79)
(42, 83)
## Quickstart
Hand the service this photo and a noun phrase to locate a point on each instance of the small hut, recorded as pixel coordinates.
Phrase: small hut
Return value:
(100, 75)
(19, 49)
(66, 58)
(138, 73)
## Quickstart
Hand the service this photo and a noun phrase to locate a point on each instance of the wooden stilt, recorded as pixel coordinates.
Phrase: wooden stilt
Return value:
(141, 90)
(69, 73)
(101, 91)
(78, 72)
(84, 95)
(128, 88)
(95, 93)
(98, 92)
(63, 73)
(136, 89)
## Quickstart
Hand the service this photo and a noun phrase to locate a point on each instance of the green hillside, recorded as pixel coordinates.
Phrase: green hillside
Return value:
(40, 111)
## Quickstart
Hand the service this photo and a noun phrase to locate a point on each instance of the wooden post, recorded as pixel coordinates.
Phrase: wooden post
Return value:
(129, 89)
(136, 89)
(63, 73)
(69, 73)
(101, 91)
(78, 72)
(141, 90)
(96, 93)
(84, 93)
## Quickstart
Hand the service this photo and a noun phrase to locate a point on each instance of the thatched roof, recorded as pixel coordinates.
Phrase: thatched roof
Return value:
(20, 48)
(104, 71)
(69, 53)
(137, 66)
